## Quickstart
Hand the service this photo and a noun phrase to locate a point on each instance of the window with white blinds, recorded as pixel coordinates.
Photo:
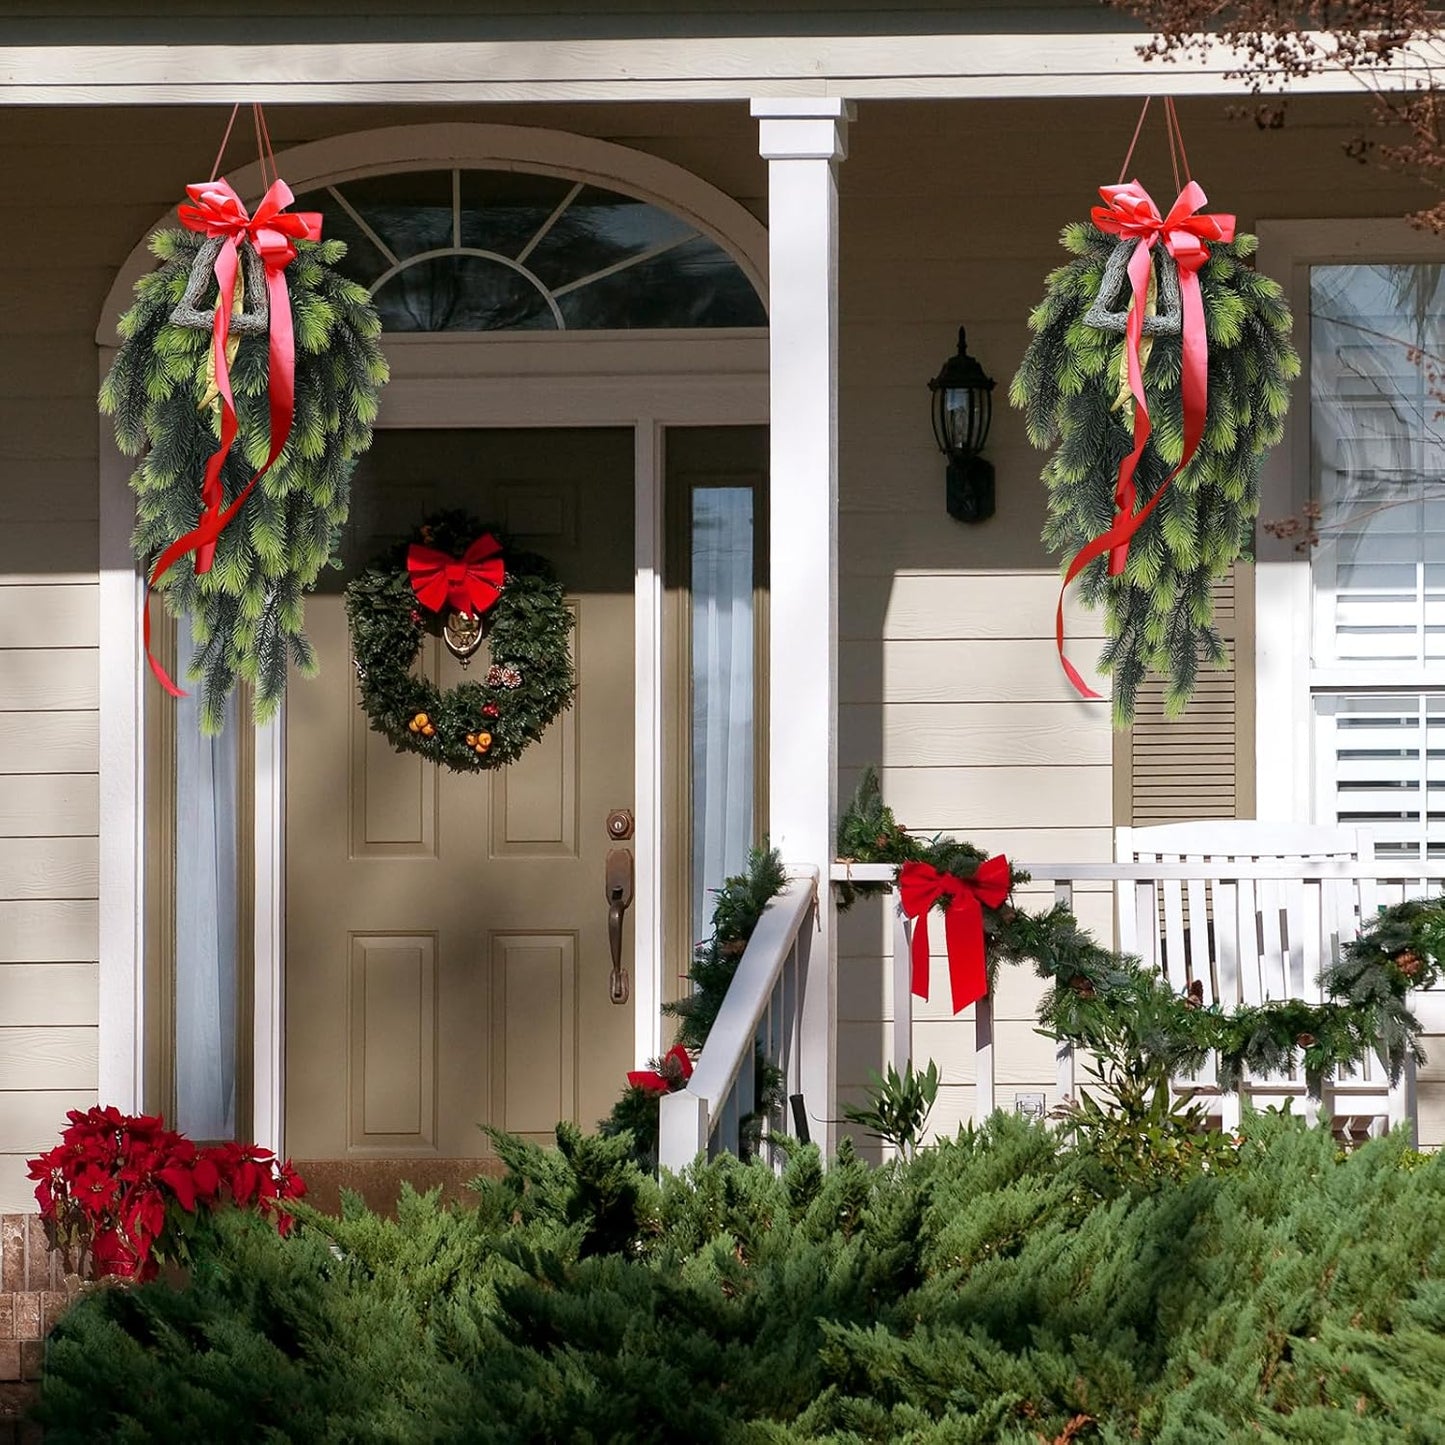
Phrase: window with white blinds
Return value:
(1381, 765)
(1377, 570)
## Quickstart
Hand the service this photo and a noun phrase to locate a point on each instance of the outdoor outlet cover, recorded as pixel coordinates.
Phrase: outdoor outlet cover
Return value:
(1031, 1104)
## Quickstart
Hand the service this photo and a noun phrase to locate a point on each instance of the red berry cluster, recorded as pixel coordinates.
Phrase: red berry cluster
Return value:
(119, 1186)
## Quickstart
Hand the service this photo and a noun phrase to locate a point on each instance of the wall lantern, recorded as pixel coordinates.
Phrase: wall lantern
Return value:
(962, 410)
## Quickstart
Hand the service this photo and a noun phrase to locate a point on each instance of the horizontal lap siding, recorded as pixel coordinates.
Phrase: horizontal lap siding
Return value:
(949, 678)
(49, 665)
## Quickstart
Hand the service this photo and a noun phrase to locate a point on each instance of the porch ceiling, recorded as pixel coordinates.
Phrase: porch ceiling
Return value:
(692, 68)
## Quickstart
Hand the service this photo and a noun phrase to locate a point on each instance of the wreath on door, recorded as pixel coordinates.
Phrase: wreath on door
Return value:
(461, 580)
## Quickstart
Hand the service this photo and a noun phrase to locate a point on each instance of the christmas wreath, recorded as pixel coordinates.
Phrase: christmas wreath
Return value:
(1159, 373)
(240, 306)
(462, 580)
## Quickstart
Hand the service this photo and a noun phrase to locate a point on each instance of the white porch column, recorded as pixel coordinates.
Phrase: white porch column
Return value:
(803, 142)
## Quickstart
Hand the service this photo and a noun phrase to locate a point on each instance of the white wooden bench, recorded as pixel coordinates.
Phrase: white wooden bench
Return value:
(1249, 912)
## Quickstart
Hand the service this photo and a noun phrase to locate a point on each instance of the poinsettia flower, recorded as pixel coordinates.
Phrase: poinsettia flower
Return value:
(182, 1183)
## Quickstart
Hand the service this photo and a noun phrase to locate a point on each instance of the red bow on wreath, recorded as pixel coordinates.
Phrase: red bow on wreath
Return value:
(656, 1083)
(920, 886)
(469, 584)
(273, 231)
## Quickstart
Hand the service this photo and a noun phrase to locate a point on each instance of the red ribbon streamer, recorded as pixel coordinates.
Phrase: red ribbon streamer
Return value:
(469, 584)
(1130, 214)
(216, 210)
(656, 1083)
(920, 886)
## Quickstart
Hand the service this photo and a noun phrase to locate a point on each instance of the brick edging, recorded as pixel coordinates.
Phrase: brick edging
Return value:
(32, 1294)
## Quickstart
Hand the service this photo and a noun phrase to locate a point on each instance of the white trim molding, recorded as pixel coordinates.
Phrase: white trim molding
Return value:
(725, 67)
(1284, 728)
(804, 141)
(121, 970)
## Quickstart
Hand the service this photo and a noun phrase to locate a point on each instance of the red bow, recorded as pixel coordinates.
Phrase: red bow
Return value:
(1131, 215)
(920, 886)
(217, 211)
(469, 584)
(655, 1083)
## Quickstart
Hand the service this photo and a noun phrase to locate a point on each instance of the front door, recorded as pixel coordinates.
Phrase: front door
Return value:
(447, 952)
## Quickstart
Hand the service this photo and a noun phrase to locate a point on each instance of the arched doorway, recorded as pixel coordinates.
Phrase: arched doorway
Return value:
(554, 305)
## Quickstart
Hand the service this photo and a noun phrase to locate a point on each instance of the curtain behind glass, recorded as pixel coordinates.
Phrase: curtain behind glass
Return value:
(205, 916)
(722, 690)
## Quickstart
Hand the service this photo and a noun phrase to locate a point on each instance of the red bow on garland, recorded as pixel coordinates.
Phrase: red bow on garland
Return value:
(656, 1083)
(920, 886)
(216, 210)
(469, 584)
(1130, 214)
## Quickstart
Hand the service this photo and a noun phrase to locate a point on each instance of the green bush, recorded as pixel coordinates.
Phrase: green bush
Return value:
(996, 1287)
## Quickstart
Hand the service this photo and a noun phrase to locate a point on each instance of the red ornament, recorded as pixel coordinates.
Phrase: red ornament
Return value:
(490, 709)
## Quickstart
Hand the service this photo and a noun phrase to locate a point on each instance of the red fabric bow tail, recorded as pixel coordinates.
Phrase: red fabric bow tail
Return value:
(920, 886)
(1130, 214)
(217, 211)
(470, 584)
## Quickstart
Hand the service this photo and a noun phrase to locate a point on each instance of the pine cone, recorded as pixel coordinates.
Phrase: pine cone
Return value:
(1082, 986)
(733, 948)
(1408, 962)
(1305, 1040)
(1194, 995)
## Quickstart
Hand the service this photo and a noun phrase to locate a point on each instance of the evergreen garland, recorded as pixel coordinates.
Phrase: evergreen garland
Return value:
(246, 612)
(480, 723)
(1098, 997)
(1160, 612)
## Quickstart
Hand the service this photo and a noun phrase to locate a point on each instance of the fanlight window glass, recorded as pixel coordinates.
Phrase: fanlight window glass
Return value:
(480, 250)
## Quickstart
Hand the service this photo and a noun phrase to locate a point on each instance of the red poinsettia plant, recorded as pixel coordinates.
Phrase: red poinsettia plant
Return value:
(126, 1192)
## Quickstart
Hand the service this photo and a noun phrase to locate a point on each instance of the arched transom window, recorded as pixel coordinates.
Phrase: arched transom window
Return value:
(506, 250)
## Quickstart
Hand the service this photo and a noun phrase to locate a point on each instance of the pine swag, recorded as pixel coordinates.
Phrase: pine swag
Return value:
(1070, 386)
(479, 724)
(1098, 997)
(246, 612)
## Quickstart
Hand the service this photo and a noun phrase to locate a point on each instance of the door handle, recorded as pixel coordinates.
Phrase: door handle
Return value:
(619, 898)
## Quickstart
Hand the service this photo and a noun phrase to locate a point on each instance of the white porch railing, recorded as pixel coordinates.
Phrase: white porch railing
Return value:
(763, 1010)
(1379, 882)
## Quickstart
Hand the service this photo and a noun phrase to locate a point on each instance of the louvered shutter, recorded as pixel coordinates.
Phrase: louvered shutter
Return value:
(1200, 765)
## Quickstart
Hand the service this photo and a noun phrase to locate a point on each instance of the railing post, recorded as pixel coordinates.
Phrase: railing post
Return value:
(983, 1059)
(902, 1051)
(682, 1129)
(1064, 1053)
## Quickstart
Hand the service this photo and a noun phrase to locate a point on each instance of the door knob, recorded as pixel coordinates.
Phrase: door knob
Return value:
(619, 898)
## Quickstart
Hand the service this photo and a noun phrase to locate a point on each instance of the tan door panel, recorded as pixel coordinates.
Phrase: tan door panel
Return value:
(446, 936)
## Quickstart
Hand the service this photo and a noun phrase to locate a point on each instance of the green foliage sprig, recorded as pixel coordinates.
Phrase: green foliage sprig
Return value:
(528, 634)
(898, 1106)
(245, 613)
(1109, 1004)
(1160, 612)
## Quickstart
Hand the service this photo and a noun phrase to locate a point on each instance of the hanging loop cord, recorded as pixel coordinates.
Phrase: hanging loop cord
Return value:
(1129, 213)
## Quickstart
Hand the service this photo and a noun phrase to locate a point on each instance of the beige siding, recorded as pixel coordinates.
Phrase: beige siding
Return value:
(949, 215)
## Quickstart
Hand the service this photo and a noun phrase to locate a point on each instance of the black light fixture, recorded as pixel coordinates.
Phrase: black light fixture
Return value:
(962, 410)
